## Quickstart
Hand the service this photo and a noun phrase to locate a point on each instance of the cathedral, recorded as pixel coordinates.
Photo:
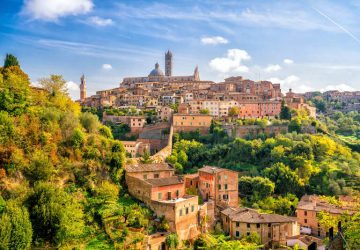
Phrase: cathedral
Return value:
(157, 75)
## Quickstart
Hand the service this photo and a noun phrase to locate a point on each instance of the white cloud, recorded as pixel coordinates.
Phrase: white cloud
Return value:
(232, 62)
(71, 86)
(52, 10)
(98, 21)
(339, 87)
(214, 40)
(291, 82)
(107, 66)
(273, 68)
(288, 61)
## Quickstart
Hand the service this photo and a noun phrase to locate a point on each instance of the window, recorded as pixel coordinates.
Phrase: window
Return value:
(180, 212)
(318, 232)
(269, 225)
(237, 234)
(177, 193)
(187, 210)
(269, 235)
(225, 177)
(226, 186)
(225, 197)
(258, 225)
(145, 176)
(159, 196)
(305, 221)
(305, 213)
(156, 176)
(192, 208)
(219, 186)
(248, 233)
(237, 224)
(248, 225)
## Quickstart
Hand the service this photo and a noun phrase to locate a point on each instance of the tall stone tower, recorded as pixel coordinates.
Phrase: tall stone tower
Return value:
(196, 74)
(168, 63)
(82, 88)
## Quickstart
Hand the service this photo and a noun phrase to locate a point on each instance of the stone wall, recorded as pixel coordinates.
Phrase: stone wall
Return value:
(243, 131)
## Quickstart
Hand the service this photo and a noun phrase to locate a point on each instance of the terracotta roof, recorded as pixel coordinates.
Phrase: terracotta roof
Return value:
(191, 176)
(213, 170)
(165, 181)
(247, 215)
(307, 239)
(315, 203)
(148, 167)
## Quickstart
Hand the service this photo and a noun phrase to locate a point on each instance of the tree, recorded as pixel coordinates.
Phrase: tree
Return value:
(90, 122)
(15, 90)
(55, 84)
(257, 187)
(172, 241)
(146, 158)
(204, 111)
(10, 60)
(285, 113)
(286, 181)
(15, 227)
(295, 125)
(56, 215)
(234, 112)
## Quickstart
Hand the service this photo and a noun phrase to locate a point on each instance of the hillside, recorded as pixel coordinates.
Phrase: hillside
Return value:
(61, 172)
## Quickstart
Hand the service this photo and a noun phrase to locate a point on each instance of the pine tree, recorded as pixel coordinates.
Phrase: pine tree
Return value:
(10, 60)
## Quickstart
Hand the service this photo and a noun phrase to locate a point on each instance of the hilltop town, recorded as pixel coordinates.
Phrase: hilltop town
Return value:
(154, 108)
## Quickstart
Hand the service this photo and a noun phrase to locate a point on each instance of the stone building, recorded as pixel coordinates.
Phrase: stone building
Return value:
(158, 187)
(308, 208)
(136, 148)
(273, 229)
(82, 88)
(296, 101)
(191, 122)
(219, 185)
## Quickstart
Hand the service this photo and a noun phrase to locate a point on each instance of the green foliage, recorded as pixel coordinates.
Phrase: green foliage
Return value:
(10, 60)
(285, 113)
(106, 132)
(56, 216)
(15, 227)
(204, 111)
(286, 181)
(172, 241)
(55, 84)
(284, 205)
(15, 89)
(255, 188)
(90, 122)
(77, 139)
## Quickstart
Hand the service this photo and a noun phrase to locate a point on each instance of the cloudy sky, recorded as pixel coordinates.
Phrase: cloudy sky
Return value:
(305, 45)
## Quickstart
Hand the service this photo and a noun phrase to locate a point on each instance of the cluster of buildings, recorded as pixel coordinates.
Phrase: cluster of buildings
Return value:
(252, 99)
(344, 101)
(214, 199)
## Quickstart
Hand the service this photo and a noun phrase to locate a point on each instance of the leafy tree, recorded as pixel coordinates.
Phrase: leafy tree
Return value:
(15, 227)
(10, 60)
(106, 132)
(172, 241)
(258, 187)
(90, 122)
(146, 158)
(204, 111)
(56, 216)
(295, 125)
(55, 84)
(15, 90)
(285, 113)
(234, 111)
(286, 181)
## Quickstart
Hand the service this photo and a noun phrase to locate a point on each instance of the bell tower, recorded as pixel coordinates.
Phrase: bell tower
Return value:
(168, 63)
(82, 88)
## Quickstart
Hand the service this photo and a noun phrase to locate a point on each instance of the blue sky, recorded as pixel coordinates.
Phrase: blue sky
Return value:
(305, 45)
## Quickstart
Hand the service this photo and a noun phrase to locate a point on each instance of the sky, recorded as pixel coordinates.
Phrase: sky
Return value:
(306, 45)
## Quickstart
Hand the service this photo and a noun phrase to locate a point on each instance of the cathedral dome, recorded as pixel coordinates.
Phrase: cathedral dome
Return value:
(157, 71)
